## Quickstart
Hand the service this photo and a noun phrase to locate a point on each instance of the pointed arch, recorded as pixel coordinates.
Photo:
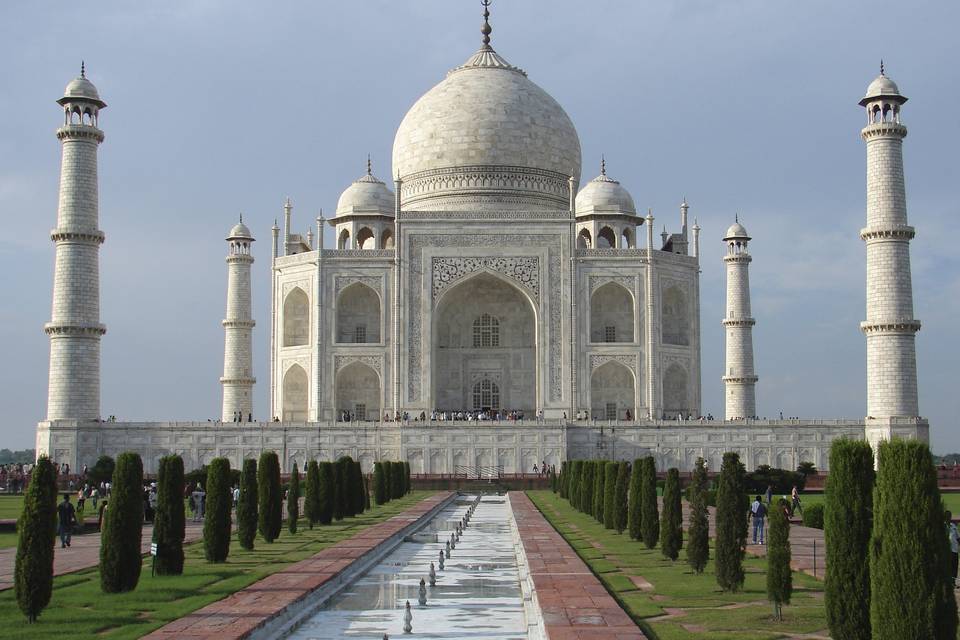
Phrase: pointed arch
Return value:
(675, 317)
(611, 314)
(613, 392)
(606, 238)
(296, 318)
(584, 239)
(343, 240)
(358, 391)
(676, 392)
(386, 239)
(366, 239)
(358, 315)
(295, 394)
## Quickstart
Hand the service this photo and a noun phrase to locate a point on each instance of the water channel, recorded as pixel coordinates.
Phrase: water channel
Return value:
(479, 595)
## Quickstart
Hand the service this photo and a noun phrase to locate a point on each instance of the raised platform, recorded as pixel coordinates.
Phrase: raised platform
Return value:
(442, 447)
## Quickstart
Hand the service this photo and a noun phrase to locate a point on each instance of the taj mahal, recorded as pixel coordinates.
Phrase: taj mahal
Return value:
(481, 306)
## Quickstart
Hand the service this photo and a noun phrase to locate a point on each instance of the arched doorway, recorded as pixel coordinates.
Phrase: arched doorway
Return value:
(612, 392)
(676, 397)
(358, 391)
(295, 394)
(485, 343)
(611, 314)
(358, 315)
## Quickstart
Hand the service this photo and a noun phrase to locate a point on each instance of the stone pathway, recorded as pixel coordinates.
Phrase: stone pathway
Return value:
(83, 552)
(574, 603)
(241, 613)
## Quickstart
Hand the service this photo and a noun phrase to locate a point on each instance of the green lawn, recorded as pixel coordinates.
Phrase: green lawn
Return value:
(10, 507)
(708, 613)
(78, 609)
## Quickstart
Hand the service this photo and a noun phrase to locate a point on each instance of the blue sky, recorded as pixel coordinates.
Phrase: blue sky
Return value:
(217, 108)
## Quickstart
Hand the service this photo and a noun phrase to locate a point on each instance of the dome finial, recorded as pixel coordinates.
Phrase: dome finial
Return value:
(241, 218)
(486, 29)
(83, 69)
(603, 165)
(369, 166)
(881, 67)
(736, 217)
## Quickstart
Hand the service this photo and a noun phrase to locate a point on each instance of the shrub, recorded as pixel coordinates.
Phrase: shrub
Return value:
(698, 545)
(341, 497)
(327, 491)
(564, 477)
(102, 470)
(396, 482)
(270, 500)
(634, 500)
(573, 484)
(120, 559)
(650, 529)
(731, 536)
(36, 533)
(848, 521)
(910, 581)
(709, 496)
(380, 495)
(169, 525)
(406, 478)
(366, 493)
(599, 478)
(781, 480)
(610, 495)
(311, 499)
(813, 516)
(293, 501)
(358, 488)
(216, 521)
(586, 488)
(779, 576)
(247, 507)
(671, 521)
(388, 479)
(621, 489)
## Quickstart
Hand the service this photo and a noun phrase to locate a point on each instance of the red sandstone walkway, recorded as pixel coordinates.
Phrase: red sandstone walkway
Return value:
(83, 553)
(239, 614)
(574, 604)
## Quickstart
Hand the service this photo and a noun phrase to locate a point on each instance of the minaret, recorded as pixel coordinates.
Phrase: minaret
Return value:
(238, 377)
(74, 327)
(890, 327)
(739, 379)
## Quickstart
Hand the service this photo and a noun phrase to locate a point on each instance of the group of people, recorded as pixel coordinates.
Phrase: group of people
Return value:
(760, 508)
(543, 469)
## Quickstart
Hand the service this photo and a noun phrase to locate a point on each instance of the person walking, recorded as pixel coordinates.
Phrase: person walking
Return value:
(769, 495)
(758, 511)
(795, 501)
(954, 537)
(66, 517)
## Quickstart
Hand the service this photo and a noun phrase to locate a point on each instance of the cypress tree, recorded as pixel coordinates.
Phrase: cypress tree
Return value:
(269, 497)
(564, 477)
(247, 507)
(120, 559)
(620, 496)
(634, 514)
(671, 520)
(848, 521)
(293, 501)
(573, 484)
(698, 545)
(36, 533)
(311, 500)
(732, 508)
(379, 484)
(356, 486)
(599, 477)
(366, 493)
(779, 576)
(169, 524)
(326, 492)
(406, 478)
(610, 495)
(341, 502)
(650, 528)
(586, 488)
(910, 581)
(396, 482)
(216, 521)
(388, 478)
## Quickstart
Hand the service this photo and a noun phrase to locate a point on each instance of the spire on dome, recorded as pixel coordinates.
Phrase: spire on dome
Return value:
(881, 67)
(369, 166)
(83, 69)
(603, 165)
(486, 29)
(241, 217)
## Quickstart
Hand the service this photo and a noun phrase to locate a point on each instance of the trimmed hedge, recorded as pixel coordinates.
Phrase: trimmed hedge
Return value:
(634, 500)
(120, 559)
(216, 522)
(356, 486)
(380, 495)
(169, 524)
(36, 534)
(326, 493)
(599, 478)
(311, 499)
(247, 507)
(397, 482)
(813, 516)
(270, 499)
(621, 489)
(293, 501)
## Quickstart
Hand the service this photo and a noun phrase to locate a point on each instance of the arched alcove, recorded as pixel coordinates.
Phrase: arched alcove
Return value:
(343, 240)
(358, 315)
(612, 392)
(611, 314)
(386, 240)
(366, 239)
(584, 241)
(606, 238)
(484, 327)
(295, 388)
(676, 392)
(358, 391)
(675, 316)
(296, 318)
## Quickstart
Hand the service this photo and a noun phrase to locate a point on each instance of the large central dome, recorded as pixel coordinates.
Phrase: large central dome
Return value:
(486, 138)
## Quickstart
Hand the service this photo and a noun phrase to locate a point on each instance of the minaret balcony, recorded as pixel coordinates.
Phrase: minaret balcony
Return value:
(237, 380)
(741, 379)
(894, 232)
(79, 237)
(79, 131)
(907, 326)
(236, 323)
(79, 329)
(883, 130)
(739, 322)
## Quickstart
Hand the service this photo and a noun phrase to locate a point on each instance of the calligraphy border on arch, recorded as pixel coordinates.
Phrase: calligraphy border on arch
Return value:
(341, 282)
(524, 270)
